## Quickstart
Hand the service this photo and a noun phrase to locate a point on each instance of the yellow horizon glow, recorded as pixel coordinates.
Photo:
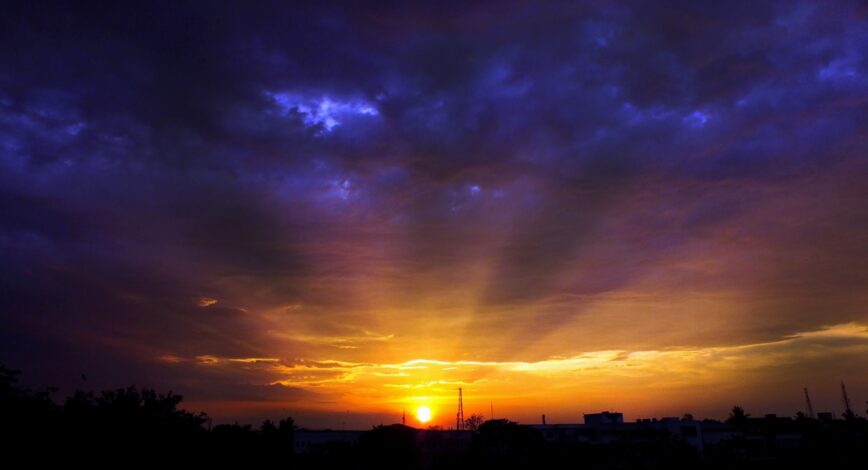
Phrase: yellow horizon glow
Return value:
(631, 381)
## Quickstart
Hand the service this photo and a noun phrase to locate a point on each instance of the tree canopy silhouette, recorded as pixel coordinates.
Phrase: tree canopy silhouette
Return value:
(738, 417)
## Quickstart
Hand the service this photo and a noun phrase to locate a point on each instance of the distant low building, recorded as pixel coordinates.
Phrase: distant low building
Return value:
(715, 432)
(567, 433)
(435, 441)
(436, 447)
(429, 442)
(604, 418)
(687, 429)
(325, 441)
(609, 427)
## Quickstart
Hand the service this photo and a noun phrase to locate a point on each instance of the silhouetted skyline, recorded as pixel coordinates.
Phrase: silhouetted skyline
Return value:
(116, 427)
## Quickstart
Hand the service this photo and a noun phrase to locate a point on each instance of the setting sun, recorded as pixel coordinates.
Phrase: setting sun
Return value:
(423, 414)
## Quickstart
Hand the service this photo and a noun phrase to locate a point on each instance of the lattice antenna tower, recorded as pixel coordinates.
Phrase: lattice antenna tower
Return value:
(459, 417)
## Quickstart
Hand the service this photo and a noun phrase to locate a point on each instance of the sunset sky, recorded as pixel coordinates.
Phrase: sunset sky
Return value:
(341, 212)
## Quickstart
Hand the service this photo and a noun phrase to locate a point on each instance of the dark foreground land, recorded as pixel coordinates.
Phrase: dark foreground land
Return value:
(135, 428)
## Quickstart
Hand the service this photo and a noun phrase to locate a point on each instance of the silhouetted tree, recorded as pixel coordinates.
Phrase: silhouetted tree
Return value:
(287, 425)
(268, 427)
(387, 447)
(473, 422)
(502, 443)
(738, 418)
(25, 415)
(285, 437)
(99, 430)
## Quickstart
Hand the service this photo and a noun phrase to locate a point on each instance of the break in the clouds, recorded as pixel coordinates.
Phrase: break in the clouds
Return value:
(266, 205)
(321, 113)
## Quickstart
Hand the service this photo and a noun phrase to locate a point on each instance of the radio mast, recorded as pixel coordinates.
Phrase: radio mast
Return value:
(459, 417)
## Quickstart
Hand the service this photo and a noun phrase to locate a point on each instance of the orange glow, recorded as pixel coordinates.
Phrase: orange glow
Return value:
(640, 382)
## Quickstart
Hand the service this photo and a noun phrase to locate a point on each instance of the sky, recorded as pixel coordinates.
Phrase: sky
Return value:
(339, 212)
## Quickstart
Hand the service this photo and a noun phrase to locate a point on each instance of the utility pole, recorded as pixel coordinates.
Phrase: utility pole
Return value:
(808, 405)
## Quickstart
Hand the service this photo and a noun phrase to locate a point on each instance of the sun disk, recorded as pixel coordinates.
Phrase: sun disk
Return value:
(423, 414)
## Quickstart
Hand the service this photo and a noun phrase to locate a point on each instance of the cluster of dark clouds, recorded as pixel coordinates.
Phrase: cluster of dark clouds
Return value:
(312, 165)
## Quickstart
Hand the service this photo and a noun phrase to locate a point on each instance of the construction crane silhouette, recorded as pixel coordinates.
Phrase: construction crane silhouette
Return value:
(848, 411)
(810, 408)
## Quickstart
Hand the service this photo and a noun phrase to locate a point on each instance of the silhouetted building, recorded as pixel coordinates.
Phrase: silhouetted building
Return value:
(568, 433)
(609, 428)
(715, 432)
(604, 418)
(687, 429)
(326, 441)
(431, 446)
(437, 447)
